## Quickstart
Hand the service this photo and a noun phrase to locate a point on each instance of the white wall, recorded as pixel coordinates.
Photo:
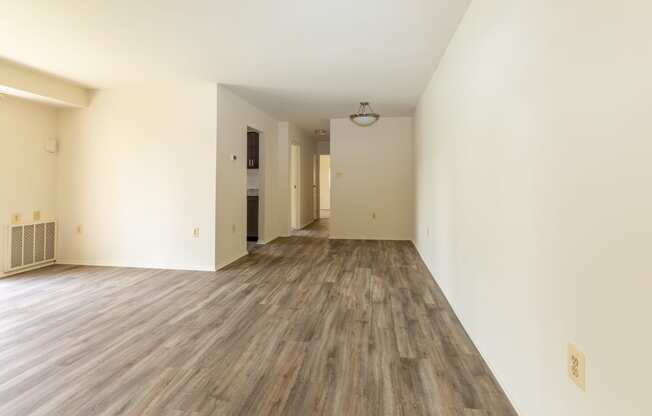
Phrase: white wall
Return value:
(532, 163)
(27, 171)
(324, 182)
(371, 172)
(234, 116)
(289, 134)
(137, 170)
(253, 178)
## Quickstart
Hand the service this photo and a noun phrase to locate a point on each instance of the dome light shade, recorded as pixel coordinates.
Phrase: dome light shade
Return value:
(365, 116)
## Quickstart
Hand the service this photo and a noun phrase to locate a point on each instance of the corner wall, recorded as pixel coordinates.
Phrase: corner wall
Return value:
(532, 165)
(27, 171)
(136, 169)
(371, 172)
(233, 117)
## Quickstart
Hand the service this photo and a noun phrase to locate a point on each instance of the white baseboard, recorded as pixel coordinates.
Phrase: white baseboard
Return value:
(307, 223)
(100, 263)
(28, 269)
(363, 237)
(269, 240)
(491, 368)
(227, 262)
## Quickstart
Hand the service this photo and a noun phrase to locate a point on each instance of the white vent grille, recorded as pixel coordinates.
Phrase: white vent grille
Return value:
(31, 245)
(39, 243)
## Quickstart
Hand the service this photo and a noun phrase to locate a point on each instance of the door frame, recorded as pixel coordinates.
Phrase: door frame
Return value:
(315, 187)
(262, 181)
(295, 185)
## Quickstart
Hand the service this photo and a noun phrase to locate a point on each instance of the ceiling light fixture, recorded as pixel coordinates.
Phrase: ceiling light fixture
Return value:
(365, 116)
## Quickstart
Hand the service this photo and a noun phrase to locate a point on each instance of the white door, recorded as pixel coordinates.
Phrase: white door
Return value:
(295, 163)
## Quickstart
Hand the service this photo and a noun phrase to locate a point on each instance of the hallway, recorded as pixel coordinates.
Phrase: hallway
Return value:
(303, 326)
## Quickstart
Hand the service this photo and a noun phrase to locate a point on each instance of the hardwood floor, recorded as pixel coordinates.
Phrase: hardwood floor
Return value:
(302, 326)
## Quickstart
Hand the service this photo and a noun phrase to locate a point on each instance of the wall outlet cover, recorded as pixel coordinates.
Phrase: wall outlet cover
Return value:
(577, 366)
(195, 232)
(52, 146)
(15, 219)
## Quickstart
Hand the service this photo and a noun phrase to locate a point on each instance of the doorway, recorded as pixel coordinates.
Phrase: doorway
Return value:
(324, 186)
(295, 186)
(254, 187)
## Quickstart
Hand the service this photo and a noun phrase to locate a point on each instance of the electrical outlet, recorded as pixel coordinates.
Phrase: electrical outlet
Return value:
(15, 219)
(577, 367)
(79, 229)
(36, 215)
(195, 232)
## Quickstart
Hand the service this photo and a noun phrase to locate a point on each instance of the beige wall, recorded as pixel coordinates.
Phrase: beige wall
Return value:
(289, 134)
(234, 116)
(27, 171)
(371, 170)
(141, 167)
(532, 164)
(137, 170)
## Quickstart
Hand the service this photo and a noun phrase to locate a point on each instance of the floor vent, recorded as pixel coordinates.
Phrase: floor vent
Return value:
(31, 245)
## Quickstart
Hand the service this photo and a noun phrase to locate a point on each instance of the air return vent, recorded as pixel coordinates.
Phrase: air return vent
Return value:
(30, 245)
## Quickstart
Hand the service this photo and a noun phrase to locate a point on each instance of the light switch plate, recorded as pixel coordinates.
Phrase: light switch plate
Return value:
(195, 232)
(577, 366)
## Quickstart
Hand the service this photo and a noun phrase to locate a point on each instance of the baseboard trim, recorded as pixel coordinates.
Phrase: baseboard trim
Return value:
(75, 262)
(269, 241)
(233, 260)
(307, 224)
(28, 269)
(335, 237)
(475, 345)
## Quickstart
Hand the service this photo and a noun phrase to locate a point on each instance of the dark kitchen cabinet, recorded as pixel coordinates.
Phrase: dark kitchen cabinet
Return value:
(252, 218)
(253, 153)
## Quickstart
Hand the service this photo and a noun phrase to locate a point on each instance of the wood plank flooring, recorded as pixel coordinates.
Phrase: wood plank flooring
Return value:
(302, 326)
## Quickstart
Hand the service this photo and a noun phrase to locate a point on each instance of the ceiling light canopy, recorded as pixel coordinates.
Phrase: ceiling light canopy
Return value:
(365, 116)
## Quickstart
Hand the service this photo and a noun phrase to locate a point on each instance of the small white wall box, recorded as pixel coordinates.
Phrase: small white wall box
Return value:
(52, 146)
